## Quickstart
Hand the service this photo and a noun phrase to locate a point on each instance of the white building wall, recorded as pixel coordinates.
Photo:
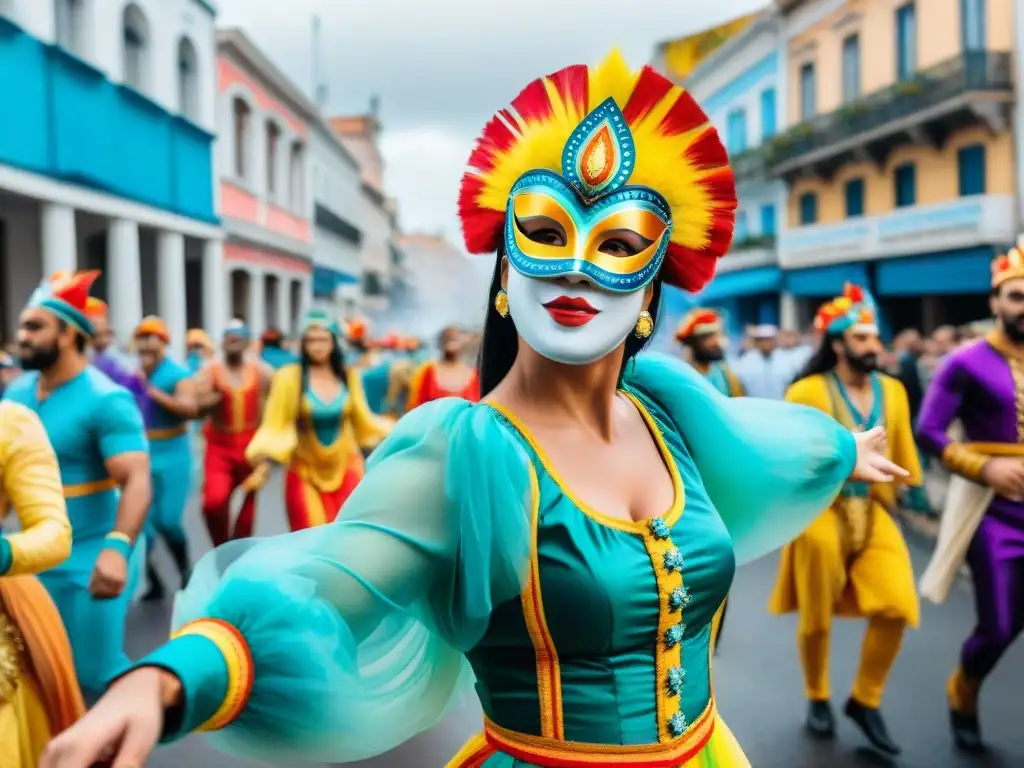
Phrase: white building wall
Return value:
(101, 33)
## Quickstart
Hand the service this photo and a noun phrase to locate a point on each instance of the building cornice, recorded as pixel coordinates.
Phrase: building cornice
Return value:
(767, 22)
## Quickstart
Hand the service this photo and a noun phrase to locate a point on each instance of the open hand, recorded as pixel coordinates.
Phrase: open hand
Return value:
(122, 729)
(873, 466)
(257, 478)
(109, 575)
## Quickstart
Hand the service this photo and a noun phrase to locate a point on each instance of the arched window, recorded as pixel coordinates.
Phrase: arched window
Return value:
(241, 117)
(135, 30)
(273, 141)
(188, 79)
(296, 177)
(68, 23)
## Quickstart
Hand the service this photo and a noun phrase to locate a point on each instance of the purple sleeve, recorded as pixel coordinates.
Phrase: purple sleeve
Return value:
(941, 406)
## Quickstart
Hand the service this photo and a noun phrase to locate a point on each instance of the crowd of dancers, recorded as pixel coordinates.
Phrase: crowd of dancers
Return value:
(563, 520)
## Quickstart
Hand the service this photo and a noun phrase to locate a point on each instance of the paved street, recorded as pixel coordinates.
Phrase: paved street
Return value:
(757, 683)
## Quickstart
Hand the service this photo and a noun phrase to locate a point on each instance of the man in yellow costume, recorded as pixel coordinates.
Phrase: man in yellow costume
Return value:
(852, 561)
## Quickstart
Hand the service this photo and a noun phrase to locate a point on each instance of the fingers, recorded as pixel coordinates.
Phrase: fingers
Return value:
(82, 746)
(136, 746)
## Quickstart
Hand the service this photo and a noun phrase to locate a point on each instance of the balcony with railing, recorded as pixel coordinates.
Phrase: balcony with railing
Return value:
(972, 87)
(63, 118)
(749, 252)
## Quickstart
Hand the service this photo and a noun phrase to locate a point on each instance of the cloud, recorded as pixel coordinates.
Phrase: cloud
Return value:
(443, 67)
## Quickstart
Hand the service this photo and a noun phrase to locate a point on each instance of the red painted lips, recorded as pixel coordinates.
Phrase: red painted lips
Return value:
(570, 312)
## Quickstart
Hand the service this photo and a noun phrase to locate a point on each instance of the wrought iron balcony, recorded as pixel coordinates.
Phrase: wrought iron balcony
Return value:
(971, 87)
(749, 164)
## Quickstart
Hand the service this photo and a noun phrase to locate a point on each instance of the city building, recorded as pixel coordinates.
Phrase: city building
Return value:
(378, 216)
(337, 242)
(443, 286)
(106, 156)
(899, 158)
(737, 84)
(267, 126)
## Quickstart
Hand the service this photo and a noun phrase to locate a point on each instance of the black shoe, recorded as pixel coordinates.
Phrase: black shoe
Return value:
(156, 591)
(871, 724)
(179, 553)
(821, 723)
(966, 732)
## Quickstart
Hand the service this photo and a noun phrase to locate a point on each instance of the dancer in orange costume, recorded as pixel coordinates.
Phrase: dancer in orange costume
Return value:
(448, 376)
(231, 395)
(315, 423)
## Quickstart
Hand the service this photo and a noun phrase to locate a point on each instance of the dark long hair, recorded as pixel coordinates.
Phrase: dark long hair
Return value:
(500, 343)
(336, 361)
(823, 360)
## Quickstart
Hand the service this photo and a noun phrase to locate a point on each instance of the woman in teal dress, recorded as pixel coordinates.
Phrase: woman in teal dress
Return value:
(567, 542)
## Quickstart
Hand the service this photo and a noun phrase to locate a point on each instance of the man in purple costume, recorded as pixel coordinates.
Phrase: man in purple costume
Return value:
(105, 355)
(982, 387)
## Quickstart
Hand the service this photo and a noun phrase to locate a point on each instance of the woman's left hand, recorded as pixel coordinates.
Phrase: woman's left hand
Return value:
(872, 464)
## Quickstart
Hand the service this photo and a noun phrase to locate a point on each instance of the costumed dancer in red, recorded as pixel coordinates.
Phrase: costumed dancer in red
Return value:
(231, 396)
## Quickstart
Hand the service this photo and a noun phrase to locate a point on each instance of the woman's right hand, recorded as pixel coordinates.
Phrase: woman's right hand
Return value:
(124, 726)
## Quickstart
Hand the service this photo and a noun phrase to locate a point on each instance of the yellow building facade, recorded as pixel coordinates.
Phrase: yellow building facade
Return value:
(899, 157)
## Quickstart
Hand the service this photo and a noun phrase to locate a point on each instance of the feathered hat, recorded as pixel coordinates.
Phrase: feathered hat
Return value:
(1009, 266)
(601, 128)
(152, 325)
(356, 329)
(854, 308)
(67, 297)
(697, 323)
(236, 327)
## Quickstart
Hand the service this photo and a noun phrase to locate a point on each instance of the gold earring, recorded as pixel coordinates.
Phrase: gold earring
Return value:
(501, 303)
(644, 325)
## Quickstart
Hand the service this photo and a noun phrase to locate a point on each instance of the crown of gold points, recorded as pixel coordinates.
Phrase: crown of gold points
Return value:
(1009, 266)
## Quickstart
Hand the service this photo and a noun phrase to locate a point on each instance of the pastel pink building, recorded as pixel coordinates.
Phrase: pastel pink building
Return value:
(266, 196)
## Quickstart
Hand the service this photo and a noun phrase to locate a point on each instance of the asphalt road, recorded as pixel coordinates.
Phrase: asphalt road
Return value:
(757, 682)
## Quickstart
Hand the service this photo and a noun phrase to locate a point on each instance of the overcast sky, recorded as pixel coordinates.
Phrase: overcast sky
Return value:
(443, 67)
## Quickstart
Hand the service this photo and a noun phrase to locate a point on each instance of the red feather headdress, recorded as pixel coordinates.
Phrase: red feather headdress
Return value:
(678, 154)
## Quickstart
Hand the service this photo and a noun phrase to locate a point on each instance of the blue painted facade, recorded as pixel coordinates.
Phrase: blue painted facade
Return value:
(65, 119)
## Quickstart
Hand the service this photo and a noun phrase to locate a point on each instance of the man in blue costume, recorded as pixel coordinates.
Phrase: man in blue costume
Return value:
(168, 396)
(96, 429)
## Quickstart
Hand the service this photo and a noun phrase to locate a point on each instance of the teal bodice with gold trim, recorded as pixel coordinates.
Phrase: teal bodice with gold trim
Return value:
(629, 633)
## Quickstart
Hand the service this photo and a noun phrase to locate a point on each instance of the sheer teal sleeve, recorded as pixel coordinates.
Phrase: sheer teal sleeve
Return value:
(357, 629)
(769, 467)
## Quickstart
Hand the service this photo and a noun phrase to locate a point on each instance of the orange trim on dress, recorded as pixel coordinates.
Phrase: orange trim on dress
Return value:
(473, 754)
(166, 434)
(549, 753)
(77, 490)
(241, 672)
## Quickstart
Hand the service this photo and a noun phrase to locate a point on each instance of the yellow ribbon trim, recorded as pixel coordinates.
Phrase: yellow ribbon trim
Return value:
(235, 650)
(166, 434)
(77, 490)
(118, 536)
(996, 449)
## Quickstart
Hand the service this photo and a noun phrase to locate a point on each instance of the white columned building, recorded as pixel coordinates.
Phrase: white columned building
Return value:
(59, 247)
(170, 267)
(124, 277)
(215, 288)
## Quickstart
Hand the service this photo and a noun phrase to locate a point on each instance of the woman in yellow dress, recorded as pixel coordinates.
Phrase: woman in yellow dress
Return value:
(39, 693)
(316, 423)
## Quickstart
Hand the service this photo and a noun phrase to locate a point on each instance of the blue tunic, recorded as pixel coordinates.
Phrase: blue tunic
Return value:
(278, 358)
(326, 417)
(170, 455)
(89, 420)
(375, 385)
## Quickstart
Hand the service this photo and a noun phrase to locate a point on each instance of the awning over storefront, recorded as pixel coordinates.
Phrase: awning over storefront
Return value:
(327, 280)
(825, 281)
(747, 282)
(949, 272)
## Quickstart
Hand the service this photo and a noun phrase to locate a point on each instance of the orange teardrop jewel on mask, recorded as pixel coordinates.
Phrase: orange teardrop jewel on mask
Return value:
(597, 160)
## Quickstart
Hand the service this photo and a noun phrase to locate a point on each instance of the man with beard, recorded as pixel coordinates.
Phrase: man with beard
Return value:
(981, 386)
(230, 394)
(97, 433)
(168, 399)
(700, 333)
(852, 561)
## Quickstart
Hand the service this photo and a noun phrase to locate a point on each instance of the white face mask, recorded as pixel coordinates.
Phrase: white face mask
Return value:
(575, 336)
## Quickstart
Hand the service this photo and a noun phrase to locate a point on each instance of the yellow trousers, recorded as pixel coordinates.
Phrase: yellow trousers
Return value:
(820, 576)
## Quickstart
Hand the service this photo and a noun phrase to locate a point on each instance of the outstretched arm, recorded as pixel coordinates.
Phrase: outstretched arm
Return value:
(939, 409)
(337, 643)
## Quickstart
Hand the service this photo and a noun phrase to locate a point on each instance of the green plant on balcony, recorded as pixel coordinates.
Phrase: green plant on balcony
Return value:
(909, 87)
(851, 110)
(754, 241)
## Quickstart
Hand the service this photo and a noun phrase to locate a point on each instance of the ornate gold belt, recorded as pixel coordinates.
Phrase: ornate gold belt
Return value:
(12, 657)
